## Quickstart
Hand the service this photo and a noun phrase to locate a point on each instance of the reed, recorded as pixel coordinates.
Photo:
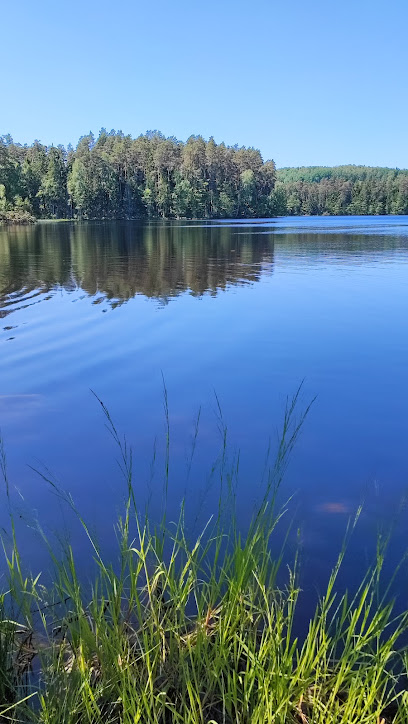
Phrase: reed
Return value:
(197, 631)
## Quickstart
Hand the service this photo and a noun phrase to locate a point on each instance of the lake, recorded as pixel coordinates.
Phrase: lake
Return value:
(232, 315)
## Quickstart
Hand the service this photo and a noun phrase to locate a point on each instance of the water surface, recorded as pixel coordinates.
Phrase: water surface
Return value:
(246, 310)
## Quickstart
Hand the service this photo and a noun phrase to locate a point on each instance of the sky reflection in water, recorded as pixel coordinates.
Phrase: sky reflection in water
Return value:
(247, 309)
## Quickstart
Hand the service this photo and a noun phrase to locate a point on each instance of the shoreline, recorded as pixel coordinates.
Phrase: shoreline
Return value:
(33, 220)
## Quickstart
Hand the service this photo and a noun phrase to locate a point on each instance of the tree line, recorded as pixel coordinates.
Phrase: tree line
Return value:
(151, 176)
(341, 190)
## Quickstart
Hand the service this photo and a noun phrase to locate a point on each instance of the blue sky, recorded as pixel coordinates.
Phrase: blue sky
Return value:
(306, 82)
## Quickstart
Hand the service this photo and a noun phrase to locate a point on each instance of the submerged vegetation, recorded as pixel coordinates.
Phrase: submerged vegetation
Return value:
(116, 176)
(196, 631)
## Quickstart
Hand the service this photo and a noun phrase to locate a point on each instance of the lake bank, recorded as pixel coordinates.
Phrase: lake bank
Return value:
(202, 629)
(14, 218)
(133, 651)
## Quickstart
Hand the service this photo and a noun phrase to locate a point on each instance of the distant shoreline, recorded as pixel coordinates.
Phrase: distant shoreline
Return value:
(33, 221)
(115, 176)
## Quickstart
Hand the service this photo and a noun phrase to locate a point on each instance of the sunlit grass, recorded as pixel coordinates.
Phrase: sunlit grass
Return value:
(197, 631)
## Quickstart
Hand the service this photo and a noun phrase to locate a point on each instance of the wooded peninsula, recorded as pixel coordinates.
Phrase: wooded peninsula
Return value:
(151, 176)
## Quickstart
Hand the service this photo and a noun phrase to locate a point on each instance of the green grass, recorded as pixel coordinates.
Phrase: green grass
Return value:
(197, 631)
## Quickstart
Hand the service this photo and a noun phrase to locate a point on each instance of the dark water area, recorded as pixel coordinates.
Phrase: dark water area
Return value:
(246, 310)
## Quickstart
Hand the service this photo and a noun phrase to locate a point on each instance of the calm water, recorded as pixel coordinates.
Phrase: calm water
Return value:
(243, 309)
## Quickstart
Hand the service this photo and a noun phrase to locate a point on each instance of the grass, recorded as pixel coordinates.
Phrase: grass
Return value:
(197, 631)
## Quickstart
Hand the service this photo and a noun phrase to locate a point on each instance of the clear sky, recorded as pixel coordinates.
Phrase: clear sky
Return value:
(305, 81)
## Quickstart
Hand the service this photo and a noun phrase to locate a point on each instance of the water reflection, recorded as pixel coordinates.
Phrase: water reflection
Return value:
(115, 262)
(320, 300)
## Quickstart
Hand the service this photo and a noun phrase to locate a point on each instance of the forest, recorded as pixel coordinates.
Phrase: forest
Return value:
(341, 190)
(117, 177)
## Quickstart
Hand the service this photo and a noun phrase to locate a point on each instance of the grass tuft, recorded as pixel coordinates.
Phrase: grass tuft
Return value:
(197, 632)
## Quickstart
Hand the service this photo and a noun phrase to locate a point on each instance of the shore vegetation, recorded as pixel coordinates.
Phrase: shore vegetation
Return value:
(196, 630)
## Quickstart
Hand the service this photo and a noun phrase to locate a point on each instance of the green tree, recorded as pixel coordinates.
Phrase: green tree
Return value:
(53, 189)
